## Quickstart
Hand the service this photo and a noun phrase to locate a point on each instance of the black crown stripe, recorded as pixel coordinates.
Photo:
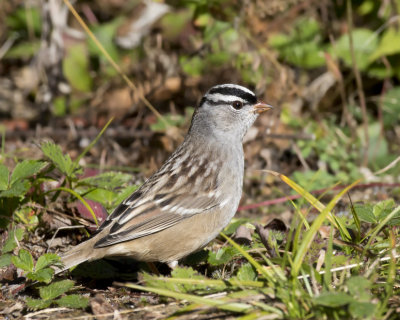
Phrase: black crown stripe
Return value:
(233, 91)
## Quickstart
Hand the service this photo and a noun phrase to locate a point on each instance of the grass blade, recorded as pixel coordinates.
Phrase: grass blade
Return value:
(220, 304)
(310, 234)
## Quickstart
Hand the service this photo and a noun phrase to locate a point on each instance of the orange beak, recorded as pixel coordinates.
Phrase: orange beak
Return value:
(262, 107)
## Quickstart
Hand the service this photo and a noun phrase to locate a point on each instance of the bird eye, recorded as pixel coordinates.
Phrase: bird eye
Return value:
(237, 105)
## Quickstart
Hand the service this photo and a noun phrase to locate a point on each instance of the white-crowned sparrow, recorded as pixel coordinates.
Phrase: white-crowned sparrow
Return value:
(192, 197)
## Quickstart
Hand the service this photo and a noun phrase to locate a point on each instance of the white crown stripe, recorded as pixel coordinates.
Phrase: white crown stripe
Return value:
(222, 97)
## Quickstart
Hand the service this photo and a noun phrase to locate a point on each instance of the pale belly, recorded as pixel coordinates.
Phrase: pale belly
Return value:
(175, 242)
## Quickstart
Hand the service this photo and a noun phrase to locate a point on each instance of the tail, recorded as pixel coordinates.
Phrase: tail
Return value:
(79, 254)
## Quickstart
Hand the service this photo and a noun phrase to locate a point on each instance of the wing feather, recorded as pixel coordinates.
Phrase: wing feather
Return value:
(165, 199)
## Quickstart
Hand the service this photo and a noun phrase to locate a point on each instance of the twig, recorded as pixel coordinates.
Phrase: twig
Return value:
(8, 44)
(48, 310)
(300, 156)
(359, 84)
(59, 229)
(388, 167)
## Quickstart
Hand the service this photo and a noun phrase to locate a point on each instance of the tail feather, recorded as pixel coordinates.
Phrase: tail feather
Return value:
(77, 255)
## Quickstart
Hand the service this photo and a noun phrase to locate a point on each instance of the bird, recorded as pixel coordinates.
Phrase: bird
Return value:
(186, 203)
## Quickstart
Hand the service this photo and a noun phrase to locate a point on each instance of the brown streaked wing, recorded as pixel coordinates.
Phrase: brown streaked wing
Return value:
(150, 217)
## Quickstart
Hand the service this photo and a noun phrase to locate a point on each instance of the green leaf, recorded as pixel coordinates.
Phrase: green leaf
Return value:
(391, 107)
(46, 260)
(333, 299)
(23, 50)
(246, 273)
(107, 180)
(192, 66)
(223, 255)
(25, 18)
(105, 197)
(76, 68)
(389, 44)
(4, 176)
(54, 153)
(177, 281)
(43, 275)
(358, 287)
(362, 310)
(59, 106)
(12, 239)
(5, 260)
(186, 273)
(17, 189)
(26, 168)
(383, 208)
(174, 22)
(105, 33)
(55, 289)
(23, 261)
(73, 301)
(364, 42)
(235, 223)
(124, 194)
(302, 46)
(364, 213)
(24, 215)
(37, 304)
(378, 150)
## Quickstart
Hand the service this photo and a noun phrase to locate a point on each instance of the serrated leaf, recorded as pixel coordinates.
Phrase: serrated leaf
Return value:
(73, 301)
(55, 289)
(333, 299)
(185, 273)
(4, 176)
(46, 260)
(43, 275)
(17, 189)
(54, 153)
(23, 261)
(12, 239)
(37, 304)
(5, 260)
(364, 213)
(223, 255)
(246, 273)
(76, 67)
(25, 169)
